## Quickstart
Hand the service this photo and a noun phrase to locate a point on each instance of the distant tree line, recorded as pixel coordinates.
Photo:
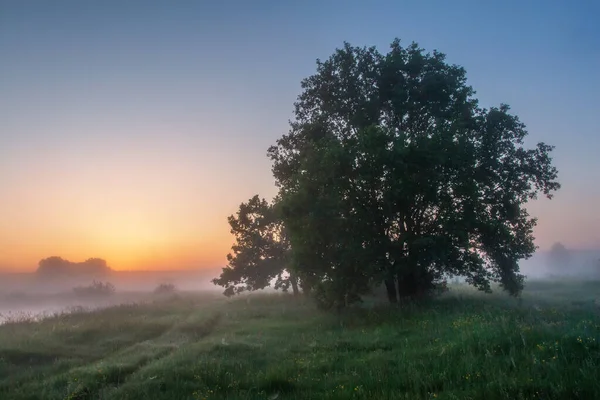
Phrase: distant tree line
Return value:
(563, 261)
(391, 174)
(57, 266)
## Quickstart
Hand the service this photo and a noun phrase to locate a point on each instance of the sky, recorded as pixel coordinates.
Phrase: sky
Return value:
(131, 130)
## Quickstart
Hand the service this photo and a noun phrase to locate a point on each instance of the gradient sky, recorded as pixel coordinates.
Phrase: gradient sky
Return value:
(130, 130)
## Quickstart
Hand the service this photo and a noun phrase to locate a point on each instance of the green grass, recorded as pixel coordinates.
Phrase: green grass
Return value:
(461, 346)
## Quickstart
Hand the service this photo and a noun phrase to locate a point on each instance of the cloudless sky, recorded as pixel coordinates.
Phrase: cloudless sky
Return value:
(130, 130)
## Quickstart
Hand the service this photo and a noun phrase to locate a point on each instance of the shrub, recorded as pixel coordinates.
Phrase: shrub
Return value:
(165, 288)
(96, 289)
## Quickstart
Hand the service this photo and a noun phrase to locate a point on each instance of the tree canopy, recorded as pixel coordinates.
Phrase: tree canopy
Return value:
(392, 173)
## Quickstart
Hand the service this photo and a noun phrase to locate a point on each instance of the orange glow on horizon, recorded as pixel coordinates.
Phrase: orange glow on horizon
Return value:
(138, 213)
(143, 239)
(128, 209)
(158, 237)
(207, 254)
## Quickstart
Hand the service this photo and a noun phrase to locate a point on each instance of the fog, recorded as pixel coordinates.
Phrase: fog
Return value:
(573, 265)
(30, 295)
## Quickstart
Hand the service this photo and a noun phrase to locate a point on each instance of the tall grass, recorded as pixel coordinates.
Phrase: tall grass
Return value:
(463, 345)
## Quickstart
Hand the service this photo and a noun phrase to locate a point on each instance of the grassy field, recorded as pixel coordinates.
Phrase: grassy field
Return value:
(461, 346)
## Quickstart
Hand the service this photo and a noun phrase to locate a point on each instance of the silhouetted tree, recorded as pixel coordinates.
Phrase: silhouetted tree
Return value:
(392, 173)
(57, 266)
(261, 251)
(94, 265)
(559, 257)
(53, 266)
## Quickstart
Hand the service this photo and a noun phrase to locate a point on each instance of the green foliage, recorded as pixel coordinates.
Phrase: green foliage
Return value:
(391, 172)
(261, 251)
(461, 345)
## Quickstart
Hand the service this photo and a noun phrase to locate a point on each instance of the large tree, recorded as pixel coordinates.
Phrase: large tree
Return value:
(391, 172)
(261, 252)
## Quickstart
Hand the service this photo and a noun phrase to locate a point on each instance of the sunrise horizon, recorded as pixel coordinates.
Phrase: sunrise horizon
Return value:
(209, 265)
(133, 135)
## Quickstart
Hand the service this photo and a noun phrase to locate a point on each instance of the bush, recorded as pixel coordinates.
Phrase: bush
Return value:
(165, 288)
(96, 289)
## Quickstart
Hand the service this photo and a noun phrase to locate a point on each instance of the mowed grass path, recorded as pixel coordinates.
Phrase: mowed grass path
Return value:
(461, 346)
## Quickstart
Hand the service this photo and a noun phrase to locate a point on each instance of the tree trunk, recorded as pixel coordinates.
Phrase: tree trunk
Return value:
(414, 285)
(305, 286)
(404, 287)
(294, 282)
(391, 290)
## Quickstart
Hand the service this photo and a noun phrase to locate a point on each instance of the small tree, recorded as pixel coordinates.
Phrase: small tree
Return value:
(261, 251)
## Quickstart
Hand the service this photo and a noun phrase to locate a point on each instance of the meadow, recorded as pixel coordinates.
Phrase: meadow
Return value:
(462, 345)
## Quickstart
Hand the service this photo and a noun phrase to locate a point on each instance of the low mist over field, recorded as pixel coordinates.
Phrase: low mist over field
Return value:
(48, 291)
(30, 283)
(59, 285)
(563, 264)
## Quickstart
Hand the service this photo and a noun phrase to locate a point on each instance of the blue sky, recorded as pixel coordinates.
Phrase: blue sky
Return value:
(153, 118)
